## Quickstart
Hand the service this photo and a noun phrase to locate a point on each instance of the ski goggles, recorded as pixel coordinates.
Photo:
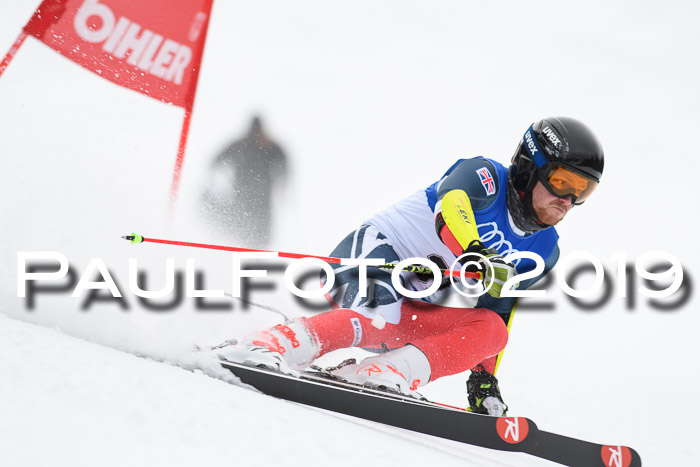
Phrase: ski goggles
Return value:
(563, 182)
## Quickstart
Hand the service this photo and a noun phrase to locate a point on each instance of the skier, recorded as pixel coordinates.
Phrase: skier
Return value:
(478, 206)
(242, 181)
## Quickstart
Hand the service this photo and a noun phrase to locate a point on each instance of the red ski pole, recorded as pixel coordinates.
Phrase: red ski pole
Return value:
(135, 238)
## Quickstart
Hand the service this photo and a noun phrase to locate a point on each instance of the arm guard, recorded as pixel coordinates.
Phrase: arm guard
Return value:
(455, 223)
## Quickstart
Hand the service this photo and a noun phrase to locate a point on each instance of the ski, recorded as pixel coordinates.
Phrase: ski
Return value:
(506, 433)
(517, 434)
(578, 453)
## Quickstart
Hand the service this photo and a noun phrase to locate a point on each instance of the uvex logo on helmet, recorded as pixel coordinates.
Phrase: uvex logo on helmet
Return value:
(531, 146)
(549, 133)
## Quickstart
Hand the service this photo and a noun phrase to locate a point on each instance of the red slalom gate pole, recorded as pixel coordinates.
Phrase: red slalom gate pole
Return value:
(13, 50)
(189, 106)
(135, 238)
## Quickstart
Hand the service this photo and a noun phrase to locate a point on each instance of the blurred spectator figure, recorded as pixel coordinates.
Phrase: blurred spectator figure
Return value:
(241, 183)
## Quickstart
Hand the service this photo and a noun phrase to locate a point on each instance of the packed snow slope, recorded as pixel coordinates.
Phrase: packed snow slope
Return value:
(372, 101)
(65, 401)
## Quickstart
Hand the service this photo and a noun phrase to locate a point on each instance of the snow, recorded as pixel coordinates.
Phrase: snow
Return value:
(85, 404)
(371, 101)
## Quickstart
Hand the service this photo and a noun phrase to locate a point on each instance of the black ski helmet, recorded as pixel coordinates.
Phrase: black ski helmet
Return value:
(556, 142)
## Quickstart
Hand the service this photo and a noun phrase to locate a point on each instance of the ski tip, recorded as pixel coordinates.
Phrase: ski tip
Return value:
(620, 455)
(636, 459)
(133, 238)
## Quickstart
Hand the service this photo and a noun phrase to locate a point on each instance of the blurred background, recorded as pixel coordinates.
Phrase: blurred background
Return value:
(362, 104)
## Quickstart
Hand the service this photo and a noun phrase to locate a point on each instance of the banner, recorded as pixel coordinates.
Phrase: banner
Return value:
(151, 46)
(154, 47)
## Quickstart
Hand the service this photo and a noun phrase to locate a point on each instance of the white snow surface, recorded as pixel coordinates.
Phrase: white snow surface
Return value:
(371, 101)
(66, 401)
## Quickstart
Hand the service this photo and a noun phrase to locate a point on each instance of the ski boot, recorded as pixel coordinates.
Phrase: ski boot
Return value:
(285, 348)
(402, 371)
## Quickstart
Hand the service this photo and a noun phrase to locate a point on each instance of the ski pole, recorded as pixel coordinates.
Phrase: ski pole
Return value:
(135, 238)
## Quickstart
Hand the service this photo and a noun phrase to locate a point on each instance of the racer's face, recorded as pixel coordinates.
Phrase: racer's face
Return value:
(549, 208)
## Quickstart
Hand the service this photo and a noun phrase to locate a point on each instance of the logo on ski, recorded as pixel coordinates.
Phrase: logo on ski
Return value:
(512, 430)
(616, 456)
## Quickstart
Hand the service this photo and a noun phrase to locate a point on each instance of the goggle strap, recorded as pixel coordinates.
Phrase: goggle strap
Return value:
(533, 148)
